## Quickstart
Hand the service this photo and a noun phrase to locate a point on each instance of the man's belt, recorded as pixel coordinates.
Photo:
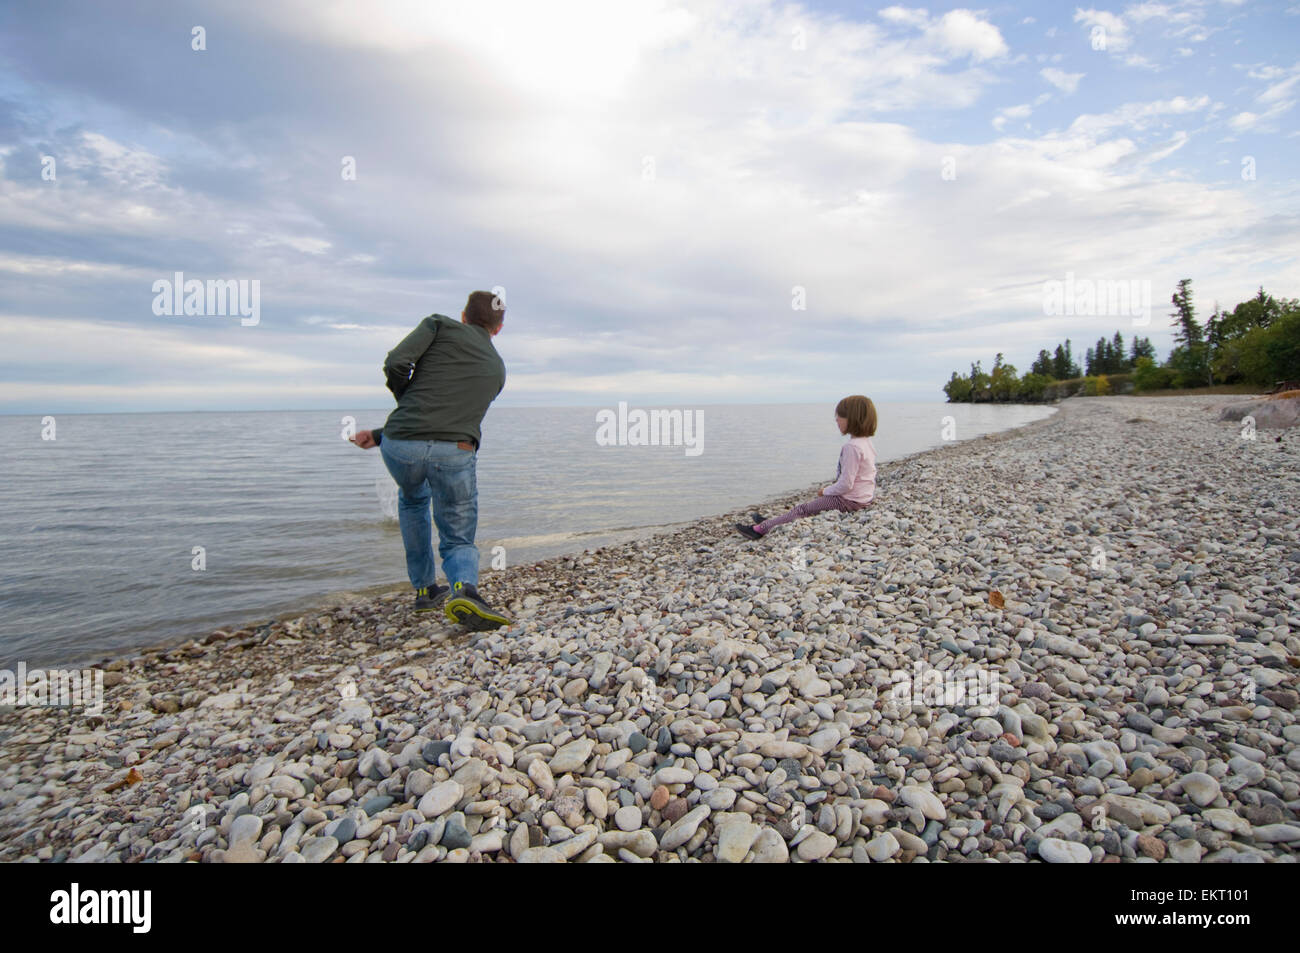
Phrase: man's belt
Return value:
(465, 445)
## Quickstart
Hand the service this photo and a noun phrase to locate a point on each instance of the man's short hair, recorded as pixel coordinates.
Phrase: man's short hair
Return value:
(485, 309)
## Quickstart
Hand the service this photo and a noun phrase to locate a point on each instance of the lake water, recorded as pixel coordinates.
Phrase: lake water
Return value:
(100, 523)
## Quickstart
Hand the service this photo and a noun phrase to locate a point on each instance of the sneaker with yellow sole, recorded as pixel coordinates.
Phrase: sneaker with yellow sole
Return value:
(466, 607)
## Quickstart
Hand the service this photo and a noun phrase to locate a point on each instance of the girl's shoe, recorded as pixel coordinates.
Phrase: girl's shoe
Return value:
(747, 530)
(430, 598)
(465, 607)
(758, 517)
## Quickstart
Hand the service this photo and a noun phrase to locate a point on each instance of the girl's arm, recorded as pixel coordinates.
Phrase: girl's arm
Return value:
(849, 462)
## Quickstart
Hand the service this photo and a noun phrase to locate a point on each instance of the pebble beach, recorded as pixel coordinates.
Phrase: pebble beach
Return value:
(1119, 579)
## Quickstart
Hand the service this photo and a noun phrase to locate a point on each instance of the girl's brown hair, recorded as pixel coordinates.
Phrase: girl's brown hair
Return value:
(860, 412)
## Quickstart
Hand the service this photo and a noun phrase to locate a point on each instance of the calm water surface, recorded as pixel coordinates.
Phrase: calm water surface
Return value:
(100, 524)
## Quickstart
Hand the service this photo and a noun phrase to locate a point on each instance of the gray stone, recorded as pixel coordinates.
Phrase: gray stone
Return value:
(1200, 788)
(455, 835)
(317, 850)
(245, 829)
(432, 751)
(376, 804)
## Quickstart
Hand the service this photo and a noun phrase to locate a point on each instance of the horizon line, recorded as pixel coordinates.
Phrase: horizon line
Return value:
(322, 410)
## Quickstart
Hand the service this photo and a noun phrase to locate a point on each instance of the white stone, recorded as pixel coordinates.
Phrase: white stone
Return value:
(882, 847)
(673, 776)
(816, 846)
(736, 834)
(770, 848)
(572, 757)
(1056, 851)
(684, 829)
(440, 799)
(1201, 788)
(924, 801)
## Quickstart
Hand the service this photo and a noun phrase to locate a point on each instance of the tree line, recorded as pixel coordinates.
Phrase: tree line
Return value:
(1257, 342)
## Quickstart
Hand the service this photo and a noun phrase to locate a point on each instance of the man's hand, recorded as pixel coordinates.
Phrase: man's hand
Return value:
(364, 439)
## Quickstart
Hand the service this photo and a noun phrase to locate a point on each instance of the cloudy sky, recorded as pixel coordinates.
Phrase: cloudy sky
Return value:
(684, 203)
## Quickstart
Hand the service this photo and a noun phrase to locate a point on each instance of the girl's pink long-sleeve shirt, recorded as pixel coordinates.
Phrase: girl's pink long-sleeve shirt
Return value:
(855, 475)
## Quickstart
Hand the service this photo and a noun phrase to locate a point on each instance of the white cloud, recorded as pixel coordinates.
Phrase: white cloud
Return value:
(1137, 59)
(1114, 32)
(302, 243)
(1246, 120)
(1141, 12)
(775, 167)
(1276, 99)
(1065, 82)
(1137, 117)
(1280, 91)
(958, 33)
(170, 354)
(124, 166)
(578, 47)
(962, 32)
(906, 16)
(1176, 142)
(1022, 111)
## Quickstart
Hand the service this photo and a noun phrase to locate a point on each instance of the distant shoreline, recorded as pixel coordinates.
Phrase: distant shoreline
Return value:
(1241, 390)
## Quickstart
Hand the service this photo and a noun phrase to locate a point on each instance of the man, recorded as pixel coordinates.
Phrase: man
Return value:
(444, 375)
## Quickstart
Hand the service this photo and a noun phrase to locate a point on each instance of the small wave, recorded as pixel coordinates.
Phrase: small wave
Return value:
(386, 492)
(545, 539)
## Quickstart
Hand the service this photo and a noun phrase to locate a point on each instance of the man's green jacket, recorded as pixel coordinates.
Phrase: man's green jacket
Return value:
(444, 375)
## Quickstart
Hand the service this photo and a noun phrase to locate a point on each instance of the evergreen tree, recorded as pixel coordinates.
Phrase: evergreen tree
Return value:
(1188, 357)
(1042, 364)
(1184, 316)
(979, 383)
(1142, 347)
(1213, 341)
(1060, 364)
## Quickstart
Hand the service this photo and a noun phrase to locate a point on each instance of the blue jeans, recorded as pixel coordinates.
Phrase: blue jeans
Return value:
(437, 472)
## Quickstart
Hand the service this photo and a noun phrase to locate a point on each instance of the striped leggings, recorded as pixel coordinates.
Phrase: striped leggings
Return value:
(819, 505)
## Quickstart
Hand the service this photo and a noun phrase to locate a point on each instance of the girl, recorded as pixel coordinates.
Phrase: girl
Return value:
(855, 476)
